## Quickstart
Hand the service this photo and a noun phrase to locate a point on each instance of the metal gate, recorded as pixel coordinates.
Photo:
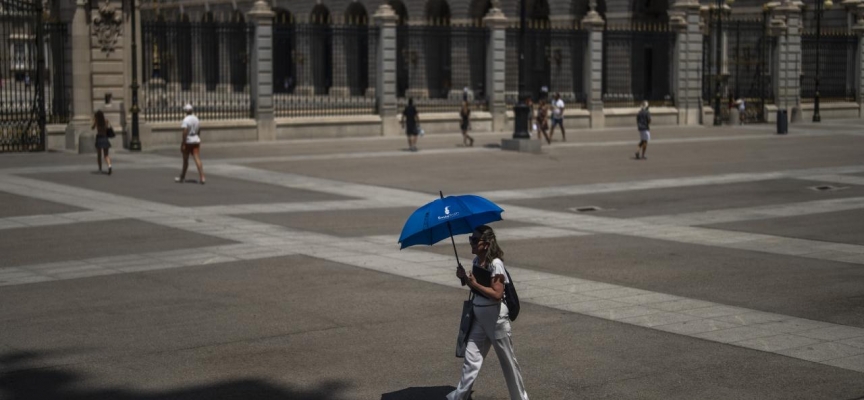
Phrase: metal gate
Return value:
(22, 69)
(747, 73)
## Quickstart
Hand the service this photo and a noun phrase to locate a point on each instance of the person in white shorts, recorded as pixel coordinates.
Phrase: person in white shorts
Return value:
(643, 124)
(190, 143)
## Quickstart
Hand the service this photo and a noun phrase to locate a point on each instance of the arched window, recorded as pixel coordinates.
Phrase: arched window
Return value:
(401, 46)
(322, 49)
(284, 76)
(438, 57)
(210, 50)
(357, 48)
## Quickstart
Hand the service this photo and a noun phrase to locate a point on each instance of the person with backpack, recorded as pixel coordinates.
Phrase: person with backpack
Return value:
(490, 283)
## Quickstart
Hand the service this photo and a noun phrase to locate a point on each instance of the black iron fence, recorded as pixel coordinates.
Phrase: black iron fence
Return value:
(837, 69)
(206, 64)
(554, 62)
(637, 65)
(443, 65)
(22, 77)
(58, 88)
(745, 71)
(321, 68)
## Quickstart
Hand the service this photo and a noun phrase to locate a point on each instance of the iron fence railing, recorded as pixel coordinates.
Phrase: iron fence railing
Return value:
(636, 65)
(440, 65)
(58, 88)
(554, 63)
(324, 69)
(206, 64)
(837, 69)
(22, 77)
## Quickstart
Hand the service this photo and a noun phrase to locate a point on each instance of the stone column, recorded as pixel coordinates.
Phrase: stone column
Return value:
(82, 102)
(262, 70)
(385, 90)
(496, 51)
(592, 80)
(786, 25)
(687, 61)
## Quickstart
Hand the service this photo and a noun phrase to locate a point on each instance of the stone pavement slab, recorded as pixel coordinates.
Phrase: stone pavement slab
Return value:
(837, 227)
(94, 239)
(784, 285)
(690, 199)
(353, 223)
(18, 206)
(296, 327)
(157, 185)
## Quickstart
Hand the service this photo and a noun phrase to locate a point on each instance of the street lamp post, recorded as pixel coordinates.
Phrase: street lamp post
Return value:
(820, 7)
(719, 62)
(135, 141)
(520, 110)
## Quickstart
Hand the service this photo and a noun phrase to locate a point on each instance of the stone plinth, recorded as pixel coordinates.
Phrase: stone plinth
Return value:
(522, 145)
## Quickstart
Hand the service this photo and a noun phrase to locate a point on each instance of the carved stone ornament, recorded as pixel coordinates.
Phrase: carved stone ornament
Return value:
(107, 24)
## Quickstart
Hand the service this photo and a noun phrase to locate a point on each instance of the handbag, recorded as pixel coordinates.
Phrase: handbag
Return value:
(110, 132)
(465, 325)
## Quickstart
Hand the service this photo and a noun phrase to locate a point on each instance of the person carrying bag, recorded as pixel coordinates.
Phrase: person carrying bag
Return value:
(490, 325)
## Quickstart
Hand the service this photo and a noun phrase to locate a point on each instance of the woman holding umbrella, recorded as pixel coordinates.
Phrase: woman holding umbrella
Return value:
(491, 324)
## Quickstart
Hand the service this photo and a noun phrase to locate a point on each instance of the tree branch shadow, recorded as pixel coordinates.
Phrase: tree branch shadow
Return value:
(20, 381)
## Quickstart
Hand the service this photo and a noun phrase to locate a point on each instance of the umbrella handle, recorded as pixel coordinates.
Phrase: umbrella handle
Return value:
(453, 241)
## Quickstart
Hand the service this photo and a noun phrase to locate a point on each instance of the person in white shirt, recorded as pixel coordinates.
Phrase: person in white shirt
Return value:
(558, 117)
(190, 143)
(491, 326)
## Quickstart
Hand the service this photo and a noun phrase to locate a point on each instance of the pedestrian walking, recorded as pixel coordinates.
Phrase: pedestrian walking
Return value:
(465, 124)
(643, 124)
(742, 108)
(543, 121)
(558, 117)
(410, 121)
(190, 143)
(101, 125)
(491, 325)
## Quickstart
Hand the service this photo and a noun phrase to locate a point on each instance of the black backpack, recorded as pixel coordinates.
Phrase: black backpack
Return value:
(511, 298)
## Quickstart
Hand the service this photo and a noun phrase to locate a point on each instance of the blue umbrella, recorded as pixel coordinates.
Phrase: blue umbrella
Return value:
(448, 216)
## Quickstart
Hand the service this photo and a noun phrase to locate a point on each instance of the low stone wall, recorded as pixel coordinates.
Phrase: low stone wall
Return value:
(573, 119)
(432, 123)
(328, 127)
(845, 110)
(55, 137)
(168, 133)
(626, 117)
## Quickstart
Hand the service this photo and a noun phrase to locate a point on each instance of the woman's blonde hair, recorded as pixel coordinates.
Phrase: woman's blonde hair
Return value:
(488, 235)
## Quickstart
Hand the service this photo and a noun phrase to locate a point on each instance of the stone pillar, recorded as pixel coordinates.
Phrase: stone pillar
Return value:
(262, 70)
(385, 90)
(592, 80)
(496, 51)
(687, 61)
(786, 25)
(82, 102)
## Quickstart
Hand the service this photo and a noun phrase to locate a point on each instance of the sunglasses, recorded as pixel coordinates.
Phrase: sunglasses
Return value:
(473, 240)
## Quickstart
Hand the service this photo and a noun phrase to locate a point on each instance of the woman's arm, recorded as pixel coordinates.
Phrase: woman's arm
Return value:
(495, 293)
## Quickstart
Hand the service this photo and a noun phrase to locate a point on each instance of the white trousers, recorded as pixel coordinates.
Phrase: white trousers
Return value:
(491, 327)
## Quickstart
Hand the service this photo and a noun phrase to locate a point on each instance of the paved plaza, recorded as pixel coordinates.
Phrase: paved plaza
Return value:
(728, 265)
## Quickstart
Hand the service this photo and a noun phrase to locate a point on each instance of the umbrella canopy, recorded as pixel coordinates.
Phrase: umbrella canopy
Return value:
(447, 216)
